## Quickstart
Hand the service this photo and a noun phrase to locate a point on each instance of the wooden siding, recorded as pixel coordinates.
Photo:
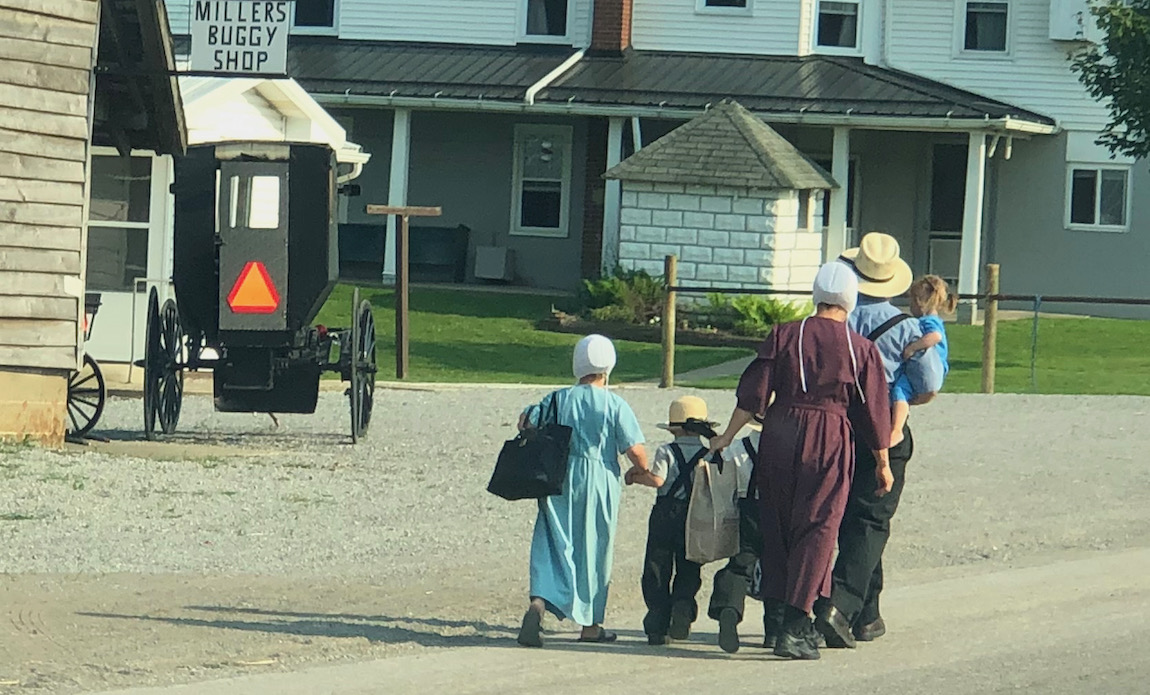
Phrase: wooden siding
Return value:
(45, 64)
(1034, 74)
(772, 27)
(492, 22)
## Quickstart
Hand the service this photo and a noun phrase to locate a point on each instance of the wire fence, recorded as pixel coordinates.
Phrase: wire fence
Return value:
(988, 302)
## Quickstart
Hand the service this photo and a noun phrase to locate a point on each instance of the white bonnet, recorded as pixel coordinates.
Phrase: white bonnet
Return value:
(595, 354)
(837, 285)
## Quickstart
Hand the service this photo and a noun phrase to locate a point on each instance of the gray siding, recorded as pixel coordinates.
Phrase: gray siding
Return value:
(463, 163)
(1040, 256)
(45, 64)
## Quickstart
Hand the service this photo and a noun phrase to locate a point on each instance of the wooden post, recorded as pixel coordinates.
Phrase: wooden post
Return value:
(990, 329)
(671, 275)
(401, 296)
(401, 274)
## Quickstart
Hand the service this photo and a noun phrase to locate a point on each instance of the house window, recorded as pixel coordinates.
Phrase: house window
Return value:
(986, 26)
(118, 222)
(1098, 197)
(722, 5)
(542, 181)
(838, 24)
(315, 16)
(547, 18)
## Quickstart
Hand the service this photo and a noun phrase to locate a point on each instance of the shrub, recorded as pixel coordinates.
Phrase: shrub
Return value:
(750, 315)
(627, 295)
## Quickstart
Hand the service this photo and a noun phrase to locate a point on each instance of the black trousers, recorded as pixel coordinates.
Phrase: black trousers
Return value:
(733, 582)
(668, 576)
(857, 577)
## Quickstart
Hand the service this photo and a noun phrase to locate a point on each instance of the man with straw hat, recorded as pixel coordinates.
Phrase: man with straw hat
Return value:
(852, 612)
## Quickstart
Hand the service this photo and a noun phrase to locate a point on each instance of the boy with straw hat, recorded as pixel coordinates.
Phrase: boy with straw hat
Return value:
(670, 580)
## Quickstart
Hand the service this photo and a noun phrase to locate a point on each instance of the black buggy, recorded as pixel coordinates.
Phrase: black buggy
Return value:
(255, 256)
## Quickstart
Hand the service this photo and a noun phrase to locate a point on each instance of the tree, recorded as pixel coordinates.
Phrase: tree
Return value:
(1118, 70)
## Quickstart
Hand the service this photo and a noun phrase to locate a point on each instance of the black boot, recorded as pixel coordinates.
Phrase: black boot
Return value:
(797, 640)
(772, 621)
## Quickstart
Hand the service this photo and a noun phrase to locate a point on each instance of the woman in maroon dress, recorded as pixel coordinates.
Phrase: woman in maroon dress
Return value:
(828, 387)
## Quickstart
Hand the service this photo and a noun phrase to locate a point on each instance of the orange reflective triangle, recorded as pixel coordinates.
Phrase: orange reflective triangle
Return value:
(254, 291)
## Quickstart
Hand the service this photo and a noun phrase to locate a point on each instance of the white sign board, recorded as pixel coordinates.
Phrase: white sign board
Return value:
(240, 35)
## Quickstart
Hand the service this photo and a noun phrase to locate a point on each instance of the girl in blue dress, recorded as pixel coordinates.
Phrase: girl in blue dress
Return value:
(929, 297)
(574, 541)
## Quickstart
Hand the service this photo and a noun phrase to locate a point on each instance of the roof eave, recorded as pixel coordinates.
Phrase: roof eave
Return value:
(1006, 124)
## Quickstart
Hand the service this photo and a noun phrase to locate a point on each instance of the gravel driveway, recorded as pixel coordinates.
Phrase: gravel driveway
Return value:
(238, 544)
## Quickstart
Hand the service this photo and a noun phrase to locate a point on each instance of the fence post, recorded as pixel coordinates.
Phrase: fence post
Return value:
(990, 329)
(671, 275)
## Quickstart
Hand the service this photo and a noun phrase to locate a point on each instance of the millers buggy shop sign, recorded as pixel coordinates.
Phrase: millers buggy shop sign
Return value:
(246, 36)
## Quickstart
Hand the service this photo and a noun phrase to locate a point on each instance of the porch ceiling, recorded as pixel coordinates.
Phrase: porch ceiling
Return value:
(781, 85)
(447, 71)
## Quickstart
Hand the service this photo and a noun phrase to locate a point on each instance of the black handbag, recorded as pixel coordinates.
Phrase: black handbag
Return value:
(534, 464)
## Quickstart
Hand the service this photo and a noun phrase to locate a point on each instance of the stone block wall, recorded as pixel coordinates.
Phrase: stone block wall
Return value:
(723, 237)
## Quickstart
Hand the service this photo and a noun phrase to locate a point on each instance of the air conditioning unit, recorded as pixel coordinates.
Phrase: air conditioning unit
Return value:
(1070, 20)
(494, 263)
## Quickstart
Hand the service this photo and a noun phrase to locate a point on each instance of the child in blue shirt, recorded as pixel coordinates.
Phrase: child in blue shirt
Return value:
(929, 296)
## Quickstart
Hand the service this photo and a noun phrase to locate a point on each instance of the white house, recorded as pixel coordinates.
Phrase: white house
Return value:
(955, 125)
(131, 225)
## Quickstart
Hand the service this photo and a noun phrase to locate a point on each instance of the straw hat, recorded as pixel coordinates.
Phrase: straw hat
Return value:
(684, 410)
(876, 261)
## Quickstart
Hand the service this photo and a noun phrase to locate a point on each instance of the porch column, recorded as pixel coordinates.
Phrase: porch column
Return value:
(972, 225)
(837, 241)
(612, 197)
(397, 184)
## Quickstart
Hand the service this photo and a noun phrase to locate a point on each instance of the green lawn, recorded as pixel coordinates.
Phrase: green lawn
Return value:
(460, 336)
(1076, 356)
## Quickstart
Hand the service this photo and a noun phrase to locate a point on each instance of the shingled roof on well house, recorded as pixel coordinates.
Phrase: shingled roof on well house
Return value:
(726, 146)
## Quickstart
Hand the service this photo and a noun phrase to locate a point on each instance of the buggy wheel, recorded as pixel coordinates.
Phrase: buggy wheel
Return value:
(163, 368)
(362, 389)
(86, 396)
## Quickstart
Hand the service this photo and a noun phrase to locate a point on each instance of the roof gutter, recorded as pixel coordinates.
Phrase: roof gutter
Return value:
(572, 60)
(941, 124)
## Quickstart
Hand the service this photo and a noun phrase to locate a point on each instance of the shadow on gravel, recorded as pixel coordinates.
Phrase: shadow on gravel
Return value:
(375, 628)
(243, 439)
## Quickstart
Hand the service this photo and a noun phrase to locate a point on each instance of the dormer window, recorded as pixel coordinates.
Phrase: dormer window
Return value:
(546, 18)
(986, 26)
(838, 25)
(315, 17)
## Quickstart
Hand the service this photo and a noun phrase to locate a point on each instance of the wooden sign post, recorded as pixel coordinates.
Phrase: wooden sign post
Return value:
(401, 274)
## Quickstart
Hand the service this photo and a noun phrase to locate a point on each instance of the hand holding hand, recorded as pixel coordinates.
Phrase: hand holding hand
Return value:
(632, 475)
(720, 442)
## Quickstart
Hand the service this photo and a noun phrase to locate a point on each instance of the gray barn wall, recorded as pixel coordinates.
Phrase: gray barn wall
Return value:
(1039, 255)
(462, 162)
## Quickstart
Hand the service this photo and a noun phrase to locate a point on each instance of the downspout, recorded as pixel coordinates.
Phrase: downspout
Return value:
(533, 90)
(887, 12)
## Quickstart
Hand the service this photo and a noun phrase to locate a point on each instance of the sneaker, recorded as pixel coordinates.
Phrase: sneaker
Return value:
(681, 621)
(801, 644)
(729, 630)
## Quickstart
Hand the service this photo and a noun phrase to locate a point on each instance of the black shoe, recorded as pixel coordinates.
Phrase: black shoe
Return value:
(834, 626)
(530, 632)
(772, 622)
(681, 617)
(729, 630)
(801, 644)
(658, 640)
(870, 631)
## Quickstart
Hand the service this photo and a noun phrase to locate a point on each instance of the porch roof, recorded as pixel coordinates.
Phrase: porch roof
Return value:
(425, 70)
(816, 85)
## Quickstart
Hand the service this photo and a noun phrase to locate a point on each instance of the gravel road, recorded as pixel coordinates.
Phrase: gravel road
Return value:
(237, 544)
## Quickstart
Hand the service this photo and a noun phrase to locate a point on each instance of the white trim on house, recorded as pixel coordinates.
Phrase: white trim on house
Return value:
(1071, 167)
(855, 50)
(747, 10)
(1015, 126)
(564, 138)
(961, 52)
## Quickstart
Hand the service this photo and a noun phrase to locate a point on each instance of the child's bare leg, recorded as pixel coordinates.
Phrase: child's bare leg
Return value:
(899, 414)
